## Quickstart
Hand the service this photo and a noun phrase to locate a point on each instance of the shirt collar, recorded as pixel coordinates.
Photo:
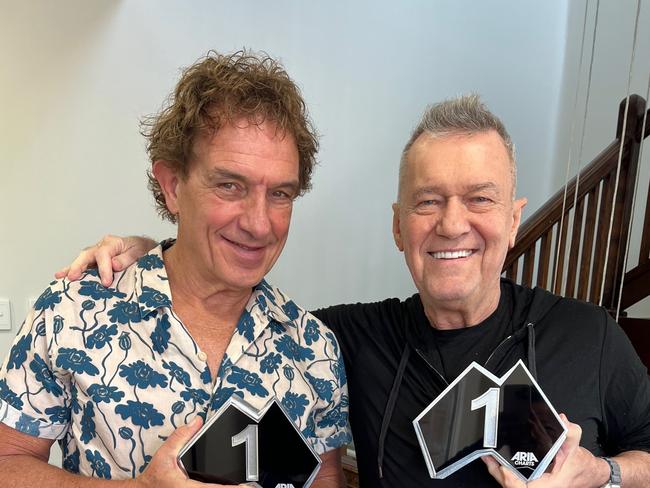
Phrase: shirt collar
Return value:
(153, 292)
(265, 300)
(151, 283)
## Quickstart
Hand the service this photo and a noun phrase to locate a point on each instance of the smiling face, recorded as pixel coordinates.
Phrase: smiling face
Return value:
(234, 206)
(456, 220)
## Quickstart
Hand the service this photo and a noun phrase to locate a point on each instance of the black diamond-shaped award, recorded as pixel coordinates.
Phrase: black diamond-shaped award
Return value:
(241, 444)
(478, 414)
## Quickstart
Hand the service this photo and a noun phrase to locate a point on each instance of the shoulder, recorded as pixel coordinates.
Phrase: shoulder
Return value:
(578, 314)
(303, 324)
(372, 327)
(568, 323)
(371, 314)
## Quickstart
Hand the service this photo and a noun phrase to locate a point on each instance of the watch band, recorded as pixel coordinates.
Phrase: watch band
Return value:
(614, 474)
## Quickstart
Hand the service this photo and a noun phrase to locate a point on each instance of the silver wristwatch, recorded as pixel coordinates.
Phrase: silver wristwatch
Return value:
(614, 474)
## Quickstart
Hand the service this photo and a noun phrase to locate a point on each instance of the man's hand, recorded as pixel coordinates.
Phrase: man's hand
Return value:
(573, 466)
(163, 471)
(111, 253)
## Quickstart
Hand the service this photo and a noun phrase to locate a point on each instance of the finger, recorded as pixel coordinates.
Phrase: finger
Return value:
(501, 474)
(78, 266)
(573, 435)
(119, 262)
(103, 256)
(570, 444)
(510, 480)
(493, 468)
(62, 273)
(182, 435)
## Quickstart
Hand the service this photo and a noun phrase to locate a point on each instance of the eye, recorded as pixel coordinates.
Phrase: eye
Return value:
(282, 197)
(481, 199)
(427, 203)
(229, 189)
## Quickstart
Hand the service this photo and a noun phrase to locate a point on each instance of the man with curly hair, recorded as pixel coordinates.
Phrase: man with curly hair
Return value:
(122, 375)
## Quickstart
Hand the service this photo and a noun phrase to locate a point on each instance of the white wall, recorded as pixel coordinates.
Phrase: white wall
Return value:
(77, 75)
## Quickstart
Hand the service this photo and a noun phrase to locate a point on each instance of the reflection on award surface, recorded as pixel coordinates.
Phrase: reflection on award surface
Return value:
(478, 414)
(241, 444)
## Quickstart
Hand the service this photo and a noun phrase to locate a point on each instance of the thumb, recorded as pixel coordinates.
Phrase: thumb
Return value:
(122, 261)
(182, 435)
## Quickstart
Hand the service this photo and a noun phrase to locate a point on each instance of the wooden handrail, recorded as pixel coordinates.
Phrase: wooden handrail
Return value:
(582, 235)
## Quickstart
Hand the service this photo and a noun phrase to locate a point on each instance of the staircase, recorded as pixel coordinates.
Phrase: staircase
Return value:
(569, 247)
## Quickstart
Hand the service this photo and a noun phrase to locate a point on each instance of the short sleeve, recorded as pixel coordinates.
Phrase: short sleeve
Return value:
(33, 400)
(625, 388)
(330, 429)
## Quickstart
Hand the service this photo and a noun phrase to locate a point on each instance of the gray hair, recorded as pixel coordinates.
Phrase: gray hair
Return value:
(464, 115)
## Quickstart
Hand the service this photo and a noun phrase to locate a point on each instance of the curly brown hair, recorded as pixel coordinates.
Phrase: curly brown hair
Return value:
(219, 89)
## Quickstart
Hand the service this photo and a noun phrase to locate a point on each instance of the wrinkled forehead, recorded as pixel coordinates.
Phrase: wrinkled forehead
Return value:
(459, 159)
(265, 140)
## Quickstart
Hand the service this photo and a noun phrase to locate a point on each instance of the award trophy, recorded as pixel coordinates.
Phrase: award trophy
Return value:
(478, 414)
(241, 444)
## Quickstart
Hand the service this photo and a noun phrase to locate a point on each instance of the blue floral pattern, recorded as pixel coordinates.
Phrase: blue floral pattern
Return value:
(98, 464)
(101, 336)
(141, 413)
(245, 380)
(18, 353)
(142, 375)
(111, 371)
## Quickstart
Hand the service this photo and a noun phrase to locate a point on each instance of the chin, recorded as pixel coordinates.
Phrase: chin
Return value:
(443, 292)
(243, 280)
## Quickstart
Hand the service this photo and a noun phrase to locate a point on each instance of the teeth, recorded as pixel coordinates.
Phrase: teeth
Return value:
(247, 248)
(451, 254)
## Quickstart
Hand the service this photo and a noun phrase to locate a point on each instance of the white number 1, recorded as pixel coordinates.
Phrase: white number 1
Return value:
(489, 400)
(249, 436)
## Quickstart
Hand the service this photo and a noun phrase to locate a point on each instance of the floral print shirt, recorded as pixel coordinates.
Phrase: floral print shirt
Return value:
(111, 372)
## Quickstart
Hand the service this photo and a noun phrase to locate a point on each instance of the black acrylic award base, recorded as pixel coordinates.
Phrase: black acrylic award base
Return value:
(508, 418)
(240, 444)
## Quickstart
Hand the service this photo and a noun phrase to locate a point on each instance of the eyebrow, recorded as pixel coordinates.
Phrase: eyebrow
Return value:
(484, 186)
(219, 173)
(215, 173)
(437, 190)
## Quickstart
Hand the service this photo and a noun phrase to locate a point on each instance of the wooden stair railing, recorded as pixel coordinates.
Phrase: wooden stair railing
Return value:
(580, 227)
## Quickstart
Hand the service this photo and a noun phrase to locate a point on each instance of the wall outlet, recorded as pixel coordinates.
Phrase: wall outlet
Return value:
(5, 314)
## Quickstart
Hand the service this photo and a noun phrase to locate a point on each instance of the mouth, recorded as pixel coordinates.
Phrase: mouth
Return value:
(458, 254)
(243, 246)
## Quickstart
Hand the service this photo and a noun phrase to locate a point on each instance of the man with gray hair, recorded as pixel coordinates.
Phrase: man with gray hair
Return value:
(455, 218)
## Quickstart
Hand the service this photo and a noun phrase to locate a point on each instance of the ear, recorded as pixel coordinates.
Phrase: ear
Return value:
(397, 233)
(168, 181)
(517, 207)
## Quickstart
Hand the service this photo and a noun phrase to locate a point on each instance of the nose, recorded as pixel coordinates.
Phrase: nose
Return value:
(453, 221)
(255, 219)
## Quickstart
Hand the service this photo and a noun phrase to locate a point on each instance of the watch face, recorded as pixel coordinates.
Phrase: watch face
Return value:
(240, 444)
(508, 418)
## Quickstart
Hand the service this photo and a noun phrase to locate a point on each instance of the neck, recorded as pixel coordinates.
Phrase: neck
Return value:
(192, 288)
(460, 314)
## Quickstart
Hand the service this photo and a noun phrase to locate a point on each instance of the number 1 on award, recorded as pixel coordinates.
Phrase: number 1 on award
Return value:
(249, 436)
(489, 400)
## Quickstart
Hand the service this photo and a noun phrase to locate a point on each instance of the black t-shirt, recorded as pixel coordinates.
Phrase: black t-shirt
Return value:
(455, 349)
(585, 364)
